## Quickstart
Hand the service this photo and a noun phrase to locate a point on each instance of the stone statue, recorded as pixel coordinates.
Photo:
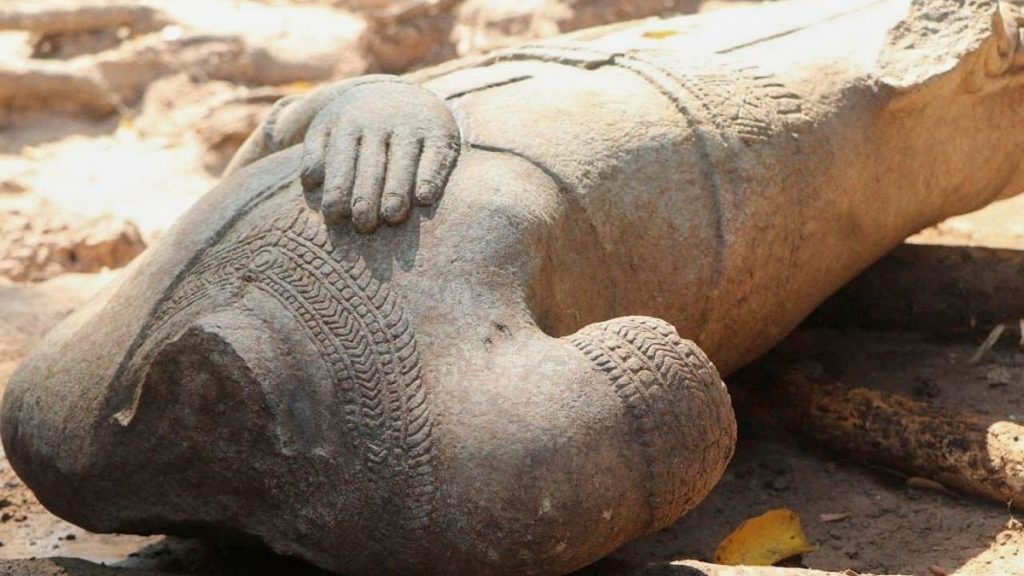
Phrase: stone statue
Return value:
(492, 382)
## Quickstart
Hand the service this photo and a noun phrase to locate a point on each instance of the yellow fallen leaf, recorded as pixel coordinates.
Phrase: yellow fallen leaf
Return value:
(297, 86)
(764, 540)
(659, 34)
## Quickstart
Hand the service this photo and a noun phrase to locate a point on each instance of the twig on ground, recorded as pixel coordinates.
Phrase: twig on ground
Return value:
(990, 341)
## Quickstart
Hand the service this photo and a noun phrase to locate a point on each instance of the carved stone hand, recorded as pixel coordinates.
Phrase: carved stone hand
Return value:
(375, 148)
(371, 145)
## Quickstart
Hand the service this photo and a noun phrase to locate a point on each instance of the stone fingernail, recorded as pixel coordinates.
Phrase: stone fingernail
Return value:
(392, 204)
(363, 218)
(311, 177)
(427, 193)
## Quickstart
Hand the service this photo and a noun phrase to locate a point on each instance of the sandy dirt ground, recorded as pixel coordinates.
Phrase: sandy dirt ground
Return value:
(149, 163)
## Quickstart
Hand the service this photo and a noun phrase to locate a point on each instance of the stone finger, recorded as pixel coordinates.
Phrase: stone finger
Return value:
(342, 154)
(403, 157)
(314, 149)
(436, 163)
(371, 168)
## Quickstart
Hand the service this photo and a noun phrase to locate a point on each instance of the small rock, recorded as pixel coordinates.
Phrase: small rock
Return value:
(41, 244)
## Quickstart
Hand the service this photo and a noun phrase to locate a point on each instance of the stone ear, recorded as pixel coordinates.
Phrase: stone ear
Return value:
(1006, 54)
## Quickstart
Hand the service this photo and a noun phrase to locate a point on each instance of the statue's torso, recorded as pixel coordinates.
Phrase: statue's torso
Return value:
(688, 168)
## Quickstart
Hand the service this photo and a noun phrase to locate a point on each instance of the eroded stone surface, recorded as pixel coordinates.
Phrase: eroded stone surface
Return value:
(449, 394)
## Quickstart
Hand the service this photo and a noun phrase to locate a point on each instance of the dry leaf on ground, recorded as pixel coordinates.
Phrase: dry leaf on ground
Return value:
(764, 540)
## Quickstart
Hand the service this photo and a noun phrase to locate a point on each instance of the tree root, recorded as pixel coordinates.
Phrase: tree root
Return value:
(966, 451)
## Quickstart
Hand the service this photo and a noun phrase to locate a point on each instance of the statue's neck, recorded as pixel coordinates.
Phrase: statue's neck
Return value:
(891, 164)
(943, 152)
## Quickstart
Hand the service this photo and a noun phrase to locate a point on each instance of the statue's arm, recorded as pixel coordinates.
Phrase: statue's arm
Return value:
(371, 146)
